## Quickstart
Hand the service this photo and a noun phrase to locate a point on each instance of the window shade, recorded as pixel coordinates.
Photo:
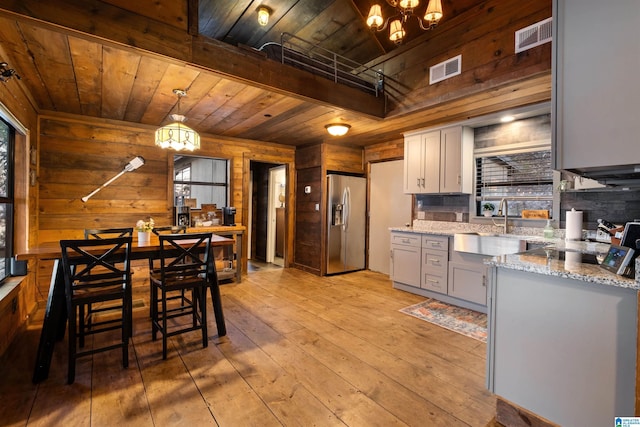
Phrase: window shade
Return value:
(521, 173)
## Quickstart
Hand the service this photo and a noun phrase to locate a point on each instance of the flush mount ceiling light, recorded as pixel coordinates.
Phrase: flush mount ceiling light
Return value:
(404, 11)
(263, 15)
(177, 135)
(337, 129)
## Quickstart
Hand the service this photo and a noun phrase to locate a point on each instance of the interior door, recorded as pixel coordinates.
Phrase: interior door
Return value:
(389, 207)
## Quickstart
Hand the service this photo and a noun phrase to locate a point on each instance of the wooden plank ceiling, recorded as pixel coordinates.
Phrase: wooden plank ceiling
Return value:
(69, 72)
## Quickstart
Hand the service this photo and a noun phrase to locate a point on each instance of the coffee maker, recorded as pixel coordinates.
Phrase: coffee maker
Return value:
(229, 215)
(182, 215)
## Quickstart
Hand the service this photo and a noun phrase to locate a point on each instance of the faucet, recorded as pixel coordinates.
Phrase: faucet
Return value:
(503, 202)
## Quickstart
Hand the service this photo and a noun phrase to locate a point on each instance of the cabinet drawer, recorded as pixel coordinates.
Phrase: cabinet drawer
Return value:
(438, 243)
(407, 239)
(435, 262)
(434, 283)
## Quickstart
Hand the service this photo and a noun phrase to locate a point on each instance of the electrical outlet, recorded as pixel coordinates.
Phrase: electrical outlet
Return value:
(421, 215)
(459, 216)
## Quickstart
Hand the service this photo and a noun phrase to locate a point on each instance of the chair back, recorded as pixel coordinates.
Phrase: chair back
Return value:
(169, 229)
(185, 257)
(104, 233)
(96, 265)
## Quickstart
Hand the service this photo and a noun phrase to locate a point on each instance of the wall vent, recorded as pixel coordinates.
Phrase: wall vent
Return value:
(533, 35)
(444, 70)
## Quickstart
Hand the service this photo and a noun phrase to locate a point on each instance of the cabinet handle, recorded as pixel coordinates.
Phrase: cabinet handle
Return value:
(391, 254)
(435, 244)
(406, 241)
(435, 262)
(423, 182)
(418, 182)
(459, 179)
(433, 281)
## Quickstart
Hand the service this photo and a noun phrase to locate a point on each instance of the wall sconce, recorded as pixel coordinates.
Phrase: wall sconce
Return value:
(263, 15)
(337, 129)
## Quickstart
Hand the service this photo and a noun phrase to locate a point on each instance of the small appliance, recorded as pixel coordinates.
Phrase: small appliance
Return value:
(182, 215)
(228, 215)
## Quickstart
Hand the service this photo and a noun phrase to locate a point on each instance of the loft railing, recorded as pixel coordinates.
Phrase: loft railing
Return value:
(318, 60)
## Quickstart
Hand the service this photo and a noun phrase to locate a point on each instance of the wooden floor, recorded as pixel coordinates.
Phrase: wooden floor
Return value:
(301, 350)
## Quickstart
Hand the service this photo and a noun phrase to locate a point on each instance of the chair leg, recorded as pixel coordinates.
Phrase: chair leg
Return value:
(154, 312)
(71, 368)
(81, 325)
(203, 315)
(164, 324)
(127, 314)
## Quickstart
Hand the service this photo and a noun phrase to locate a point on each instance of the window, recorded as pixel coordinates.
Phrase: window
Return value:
(7, 138)
(203, 180)
(521, 173)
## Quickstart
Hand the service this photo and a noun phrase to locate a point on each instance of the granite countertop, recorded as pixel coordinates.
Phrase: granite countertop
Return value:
(570, 260)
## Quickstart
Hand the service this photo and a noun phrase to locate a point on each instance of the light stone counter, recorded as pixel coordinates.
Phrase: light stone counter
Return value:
(550, 263)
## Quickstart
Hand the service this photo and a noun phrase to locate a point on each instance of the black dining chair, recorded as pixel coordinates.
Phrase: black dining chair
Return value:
(185, 264)
(97, 271)
(104, 233)
(153, 263)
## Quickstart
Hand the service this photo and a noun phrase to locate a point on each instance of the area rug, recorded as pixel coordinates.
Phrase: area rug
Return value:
(461, 320)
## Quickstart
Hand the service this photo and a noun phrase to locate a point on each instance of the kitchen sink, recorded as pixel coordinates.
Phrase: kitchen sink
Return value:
(489, 244)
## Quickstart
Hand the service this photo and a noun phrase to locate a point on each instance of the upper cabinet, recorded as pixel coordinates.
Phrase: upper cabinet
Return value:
(596, 93)
(439, 161)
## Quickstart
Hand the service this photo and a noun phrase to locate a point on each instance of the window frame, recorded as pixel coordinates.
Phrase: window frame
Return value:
(226, 184)
(9, 199)
(476, 200)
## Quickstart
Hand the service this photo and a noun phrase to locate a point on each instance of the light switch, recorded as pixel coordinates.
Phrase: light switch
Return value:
(317, 206)
(307, 189)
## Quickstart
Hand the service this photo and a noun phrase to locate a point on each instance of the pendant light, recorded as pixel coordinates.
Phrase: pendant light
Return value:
(177, 135)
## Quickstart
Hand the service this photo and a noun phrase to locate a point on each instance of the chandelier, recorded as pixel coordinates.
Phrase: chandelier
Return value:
(176, 135)
(405, 10)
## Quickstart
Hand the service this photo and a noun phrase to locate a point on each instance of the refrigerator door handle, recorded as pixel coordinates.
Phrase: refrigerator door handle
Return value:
(346, 201)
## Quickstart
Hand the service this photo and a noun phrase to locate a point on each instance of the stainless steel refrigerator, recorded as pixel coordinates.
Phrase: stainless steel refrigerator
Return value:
(346, 223)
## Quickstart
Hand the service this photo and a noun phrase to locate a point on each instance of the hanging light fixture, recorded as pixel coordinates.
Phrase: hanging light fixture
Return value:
(177, 135)
(337, 129)
(405, 10)
(263, 15)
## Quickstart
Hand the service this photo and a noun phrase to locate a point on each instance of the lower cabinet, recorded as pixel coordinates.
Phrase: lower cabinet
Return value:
(424, 265)
(468, 281)
(405, 258)
(435, 258)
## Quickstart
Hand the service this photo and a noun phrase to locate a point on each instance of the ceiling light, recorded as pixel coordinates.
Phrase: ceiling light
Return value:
(337, 129)
(263, 15)
(507, 119)
(177, 135)
(404, 11)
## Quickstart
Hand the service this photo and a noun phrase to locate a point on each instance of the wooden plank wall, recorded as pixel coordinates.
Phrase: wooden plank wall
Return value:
(78, 154)
(19, 304)
(312, 165)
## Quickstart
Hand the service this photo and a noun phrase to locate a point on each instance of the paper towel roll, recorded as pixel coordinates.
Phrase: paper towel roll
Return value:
(574, 225)
(572, 260)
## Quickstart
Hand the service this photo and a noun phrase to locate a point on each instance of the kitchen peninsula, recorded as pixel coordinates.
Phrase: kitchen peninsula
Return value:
(563, 335)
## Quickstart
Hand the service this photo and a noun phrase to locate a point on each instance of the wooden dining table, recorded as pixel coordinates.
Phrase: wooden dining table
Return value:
(55, 316)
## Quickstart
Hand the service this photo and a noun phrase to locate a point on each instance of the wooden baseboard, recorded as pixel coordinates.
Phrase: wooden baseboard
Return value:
(512, 415)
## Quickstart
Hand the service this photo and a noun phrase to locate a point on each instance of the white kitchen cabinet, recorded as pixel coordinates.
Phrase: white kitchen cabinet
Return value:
(439, 161)
(405, 258)
(596, 93)
(435, 260)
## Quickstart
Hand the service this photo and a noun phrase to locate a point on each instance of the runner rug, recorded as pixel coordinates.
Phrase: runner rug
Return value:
(461, 320)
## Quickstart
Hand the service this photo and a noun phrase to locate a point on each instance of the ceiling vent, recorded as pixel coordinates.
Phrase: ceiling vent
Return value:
(533, 35)
(444, 70)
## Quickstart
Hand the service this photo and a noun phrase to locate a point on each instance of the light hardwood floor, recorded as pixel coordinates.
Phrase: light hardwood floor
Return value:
(301, 350)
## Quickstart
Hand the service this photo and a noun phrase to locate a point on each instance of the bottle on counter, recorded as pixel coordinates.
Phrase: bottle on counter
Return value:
(548, 232)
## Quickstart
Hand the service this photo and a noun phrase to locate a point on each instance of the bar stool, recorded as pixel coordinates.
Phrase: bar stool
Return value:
(97, 271)
(185, 264)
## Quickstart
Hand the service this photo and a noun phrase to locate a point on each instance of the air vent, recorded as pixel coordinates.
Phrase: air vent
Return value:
(444, 70)
(533, 35)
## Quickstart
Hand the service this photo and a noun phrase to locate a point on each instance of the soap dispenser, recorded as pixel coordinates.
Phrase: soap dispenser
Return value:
(548, 230)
